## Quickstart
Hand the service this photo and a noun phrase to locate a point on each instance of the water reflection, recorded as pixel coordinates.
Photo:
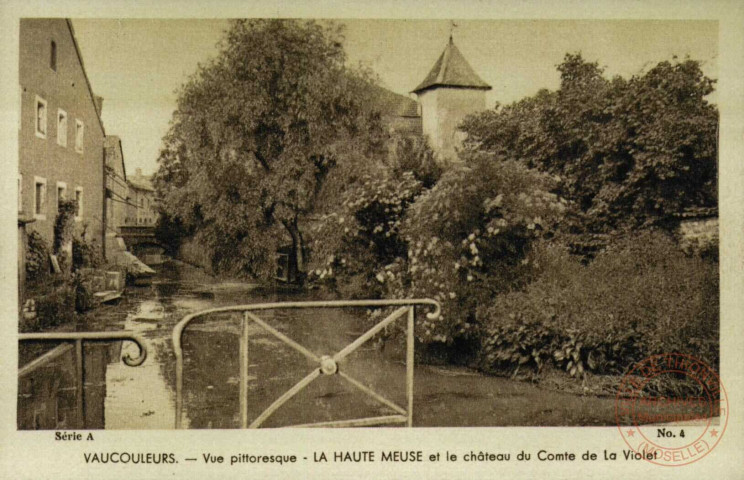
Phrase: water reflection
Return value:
(120, 397)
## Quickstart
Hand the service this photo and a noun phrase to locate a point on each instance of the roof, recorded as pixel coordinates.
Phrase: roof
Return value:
(85, 75)
(452, 70)
(115, 141)
(141, 182)
(394, 104)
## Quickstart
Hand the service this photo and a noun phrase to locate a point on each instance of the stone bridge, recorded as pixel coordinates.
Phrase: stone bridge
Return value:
(140, 240)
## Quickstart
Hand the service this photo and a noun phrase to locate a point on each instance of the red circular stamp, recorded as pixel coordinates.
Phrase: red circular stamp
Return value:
(671, 429)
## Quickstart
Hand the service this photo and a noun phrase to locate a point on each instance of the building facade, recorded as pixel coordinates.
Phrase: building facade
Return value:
(61, 135)
(117, 188)
(117, 192)
(142, 205)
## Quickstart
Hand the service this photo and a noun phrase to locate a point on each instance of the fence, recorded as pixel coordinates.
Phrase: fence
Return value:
(326, 364)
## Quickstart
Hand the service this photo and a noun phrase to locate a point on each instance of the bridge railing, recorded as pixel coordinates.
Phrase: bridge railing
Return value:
(326, 364)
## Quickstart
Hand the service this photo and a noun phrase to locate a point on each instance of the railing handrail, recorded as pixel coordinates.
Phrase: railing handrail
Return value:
(178, 329)
(94, 336)
(326, 364)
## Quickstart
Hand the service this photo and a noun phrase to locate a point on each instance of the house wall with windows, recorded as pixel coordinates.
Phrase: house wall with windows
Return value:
(142, 196)
(61, 135)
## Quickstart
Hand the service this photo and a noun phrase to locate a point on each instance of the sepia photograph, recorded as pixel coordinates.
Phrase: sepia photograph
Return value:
(276, 222)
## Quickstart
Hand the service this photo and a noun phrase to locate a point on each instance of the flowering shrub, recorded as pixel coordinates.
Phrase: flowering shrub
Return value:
(470, 238)
(354, 245)
(641, 296)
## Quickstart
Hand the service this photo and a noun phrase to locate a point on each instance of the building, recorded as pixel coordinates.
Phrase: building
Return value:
(61, 135)
(117, 190)
(142, 203)
(450, 92)
(399, 113)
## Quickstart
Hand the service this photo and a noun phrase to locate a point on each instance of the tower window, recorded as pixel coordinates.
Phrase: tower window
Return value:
(53, 56)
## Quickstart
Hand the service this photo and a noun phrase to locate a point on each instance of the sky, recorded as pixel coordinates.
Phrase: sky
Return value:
(138, 64)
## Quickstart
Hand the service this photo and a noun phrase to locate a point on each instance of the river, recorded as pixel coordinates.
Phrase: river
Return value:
(122, 397)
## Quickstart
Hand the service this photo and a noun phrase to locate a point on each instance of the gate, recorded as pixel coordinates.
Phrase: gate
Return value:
(78, 338)
(326, 364)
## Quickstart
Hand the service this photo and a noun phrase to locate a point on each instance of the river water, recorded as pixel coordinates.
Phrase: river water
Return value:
(143, 397)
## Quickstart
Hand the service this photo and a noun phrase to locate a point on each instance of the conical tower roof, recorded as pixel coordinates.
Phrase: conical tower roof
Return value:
(452, 70)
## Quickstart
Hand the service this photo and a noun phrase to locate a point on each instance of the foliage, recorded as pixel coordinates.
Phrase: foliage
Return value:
(86, 254)
(353, 244)
(64, 223)
(257, 134)
(170, 232)
(53, 308)
(413, 154)
(37, 257)
(641, 296)
(628, 151)
(469, 238)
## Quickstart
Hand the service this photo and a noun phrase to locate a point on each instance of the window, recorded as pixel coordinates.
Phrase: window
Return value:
(20, 192)
(61, 128)
(79, 132)
(53, 56)
(41, 117)
(61, 192)
(40, 198)
(79, 199)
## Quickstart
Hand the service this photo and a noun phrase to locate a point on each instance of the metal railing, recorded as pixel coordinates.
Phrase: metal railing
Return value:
(327, 364)
(78, 338)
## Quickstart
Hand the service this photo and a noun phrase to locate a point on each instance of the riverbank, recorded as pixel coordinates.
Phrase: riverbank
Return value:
(144, 397)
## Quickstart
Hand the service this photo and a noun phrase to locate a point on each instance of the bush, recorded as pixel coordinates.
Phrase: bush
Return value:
(86, 254)
(355, 243)
(470, 238)
(37, 258)
(53, 308)
(639, 297)
(413, 154)
(64, 223)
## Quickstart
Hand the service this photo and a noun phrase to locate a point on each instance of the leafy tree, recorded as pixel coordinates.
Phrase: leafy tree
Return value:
(628, 152)
(259, 133)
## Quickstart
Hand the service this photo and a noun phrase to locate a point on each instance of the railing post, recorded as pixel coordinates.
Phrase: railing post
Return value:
(409, 363)
(179, 388)
(80, 385)
(244, 371)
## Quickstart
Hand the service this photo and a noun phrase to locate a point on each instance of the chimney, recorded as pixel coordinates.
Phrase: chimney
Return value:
(99, 104)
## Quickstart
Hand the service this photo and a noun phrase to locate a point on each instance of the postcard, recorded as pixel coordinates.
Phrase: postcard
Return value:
(372, 240)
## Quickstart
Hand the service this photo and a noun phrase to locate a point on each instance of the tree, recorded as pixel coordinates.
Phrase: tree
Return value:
(628, 152)
(258, 135)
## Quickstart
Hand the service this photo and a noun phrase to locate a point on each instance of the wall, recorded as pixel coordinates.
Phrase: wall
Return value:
(116, 183)
(65, 88)
(442, 110)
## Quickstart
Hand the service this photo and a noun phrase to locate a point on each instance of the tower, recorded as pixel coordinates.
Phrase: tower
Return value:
(451, 91)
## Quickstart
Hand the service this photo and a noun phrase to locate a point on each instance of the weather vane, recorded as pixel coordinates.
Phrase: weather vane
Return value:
(453, 25)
